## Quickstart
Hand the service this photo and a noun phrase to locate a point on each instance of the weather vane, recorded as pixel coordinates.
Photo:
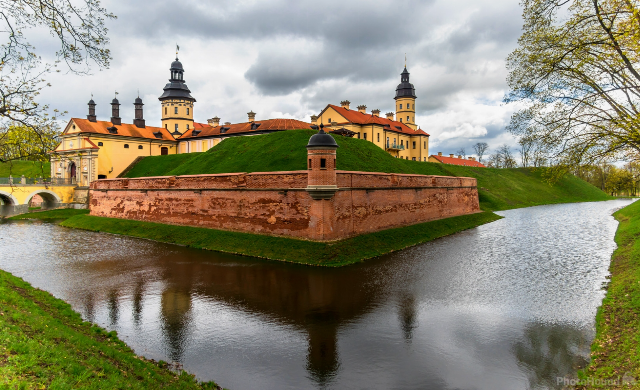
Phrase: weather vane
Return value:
(405, 60)
(177, 50)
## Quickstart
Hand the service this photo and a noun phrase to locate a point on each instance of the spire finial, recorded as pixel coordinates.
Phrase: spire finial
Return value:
(405, 60)
(177, 50)
(116, 94)
(138, 92)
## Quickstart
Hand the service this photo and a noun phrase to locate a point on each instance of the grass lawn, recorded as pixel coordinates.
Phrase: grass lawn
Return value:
(499, 189)
(26, 168)
(616, 347)
(52, 214)
(333, 254)
(47, 345)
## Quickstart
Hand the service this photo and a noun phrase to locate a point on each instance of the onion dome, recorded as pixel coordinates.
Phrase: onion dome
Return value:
(92, 102)
(322, 140)
(405, 88)
(115, 101)
(137, 101)
(176, 88)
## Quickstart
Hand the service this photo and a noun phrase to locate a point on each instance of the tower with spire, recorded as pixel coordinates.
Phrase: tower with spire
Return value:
(177, 102)
(406, 100)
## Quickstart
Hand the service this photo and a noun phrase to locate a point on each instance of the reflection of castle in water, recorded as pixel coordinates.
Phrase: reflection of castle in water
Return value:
(317, 300)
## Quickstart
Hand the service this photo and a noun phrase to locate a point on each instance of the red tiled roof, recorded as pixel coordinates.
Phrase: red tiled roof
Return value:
(366, 119)
(125, 129)
(458, 161)
(238, 128)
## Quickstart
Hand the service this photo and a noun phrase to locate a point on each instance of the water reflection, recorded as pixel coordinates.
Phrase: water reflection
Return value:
(506, 306)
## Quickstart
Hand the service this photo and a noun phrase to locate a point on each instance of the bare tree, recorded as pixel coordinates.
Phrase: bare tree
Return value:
(80, 30)
(480, 148)
(527, 147)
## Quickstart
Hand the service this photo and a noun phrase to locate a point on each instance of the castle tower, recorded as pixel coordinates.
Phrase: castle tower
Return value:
(406, 101)
(92, 111)
(177, 102)
(115, 112)
(321, 155)
(139, 117)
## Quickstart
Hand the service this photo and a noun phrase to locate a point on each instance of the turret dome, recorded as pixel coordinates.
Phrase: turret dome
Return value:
(405, 88)
(322, 140)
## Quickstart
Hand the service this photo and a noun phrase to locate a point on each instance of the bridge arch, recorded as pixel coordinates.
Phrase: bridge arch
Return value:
(7, 199)
(50, 198)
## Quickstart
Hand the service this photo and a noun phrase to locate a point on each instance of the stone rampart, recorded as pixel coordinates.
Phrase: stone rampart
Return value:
(278, 203)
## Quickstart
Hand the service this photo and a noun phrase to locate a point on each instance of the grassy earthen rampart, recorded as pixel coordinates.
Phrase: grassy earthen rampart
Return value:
(499, 189)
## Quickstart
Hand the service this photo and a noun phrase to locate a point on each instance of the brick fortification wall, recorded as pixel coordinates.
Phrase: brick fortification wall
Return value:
(277, 203)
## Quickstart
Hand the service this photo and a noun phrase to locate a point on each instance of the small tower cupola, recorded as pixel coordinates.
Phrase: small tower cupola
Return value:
(252, 116)
(115, 112)
(139, 118)
(92, 111)
(321, 155)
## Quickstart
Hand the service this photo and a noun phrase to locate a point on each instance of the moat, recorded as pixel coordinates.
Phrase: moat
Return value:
(507, 305)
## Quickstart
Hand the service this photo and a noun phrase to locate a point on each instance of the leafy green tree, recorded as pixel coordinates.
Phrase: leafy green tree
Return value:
(619, 181)
(82, 35)
(575, 75)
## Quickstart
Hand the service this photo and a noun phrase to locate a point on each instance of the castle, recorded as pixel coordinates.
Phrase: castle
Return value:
(91, 149)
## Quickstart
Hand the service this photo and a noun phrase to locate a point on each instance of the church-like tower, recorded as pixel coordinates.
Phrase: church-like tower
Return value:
(177, 102)
(406, 101)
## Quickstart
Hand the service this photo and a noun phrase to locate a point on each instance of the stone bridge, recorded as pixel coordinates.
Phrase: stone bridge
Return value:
(15, 198)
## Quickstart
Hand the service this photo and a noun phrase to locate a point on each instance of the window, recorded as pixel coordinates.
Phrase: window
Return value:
(365, 135)
(166, 126)
(176, 127)
(414, 144)
(187, 127)
(165, 110)
(329, 120)
(401, 142)
(323, 163)
(139, 146)
(407, 118)
(378, 137)
(126, 146)
(425, 144)
(358, 135)
(401, 106)
(164, 151)
(408, 106)
(400, 120)
(309, 164)
(175, 110)
(425, 159)
(100, 144)
(187, 110)
(414, 159)
(102, 177)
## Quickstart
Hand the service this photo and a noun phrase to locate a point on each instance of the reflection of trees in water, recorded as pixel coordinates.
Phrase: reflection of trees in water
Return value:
(407, 315)
(551, 351)
(176, 317)
(112, 304)
(138, 297)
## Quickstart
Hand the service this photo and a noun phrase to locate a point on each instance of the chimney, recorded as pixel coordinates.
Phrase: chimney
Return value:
(362, 108)
(390, 116)
(92, 111)
(439, 153)
(345, 104)
(210, 122)
(252, 116)
(451, 155)
(215, 121)
(115, 112)
(227, 123)
(138, 120)
(314, 119)
(459, 156)
(375, 112)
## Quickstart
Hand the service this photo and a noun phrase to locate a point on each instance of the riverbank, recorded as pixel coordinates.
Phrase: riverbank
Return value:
(45, 344)
(615, 351)
(332, 254)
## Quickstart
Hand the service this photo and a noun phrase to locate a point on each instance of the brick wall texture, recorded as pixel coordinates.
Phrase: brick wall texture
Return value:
(276, 203)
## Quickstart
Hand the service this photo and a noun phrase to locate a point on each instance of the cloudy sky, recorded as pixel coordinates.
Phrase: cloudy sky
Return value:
(290, 58)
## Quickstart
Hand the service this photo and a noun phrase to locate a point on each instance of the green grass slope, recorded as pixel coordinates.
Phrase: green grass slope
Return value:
(26, 168)
(47, 345)
(499, 189)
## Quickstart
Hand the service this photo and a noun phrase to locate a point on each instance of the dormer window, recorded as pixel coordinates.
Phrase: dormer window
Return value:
(254, 126)
(157, 134)
(112, 130)
(195, 133)
(224, 129)
(398, 127)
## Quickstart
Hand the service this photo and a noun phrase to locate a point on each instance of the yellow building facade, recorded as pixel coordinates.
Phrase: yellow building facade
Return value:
(400, 137)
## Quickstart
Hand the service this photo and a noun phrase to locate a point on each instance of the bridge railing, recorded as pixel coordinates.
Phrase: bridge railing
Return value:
(16, 181)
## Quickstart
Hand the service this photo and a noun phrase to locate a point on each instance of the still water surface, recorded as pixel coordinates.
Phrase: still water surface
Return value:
(508, 305)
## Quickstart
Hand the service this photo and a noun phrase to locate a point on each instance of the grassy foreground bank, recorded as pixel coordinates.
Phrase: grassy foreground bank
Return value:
(46, 345)
(615, 350)
(332, 254)
(499, 189)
